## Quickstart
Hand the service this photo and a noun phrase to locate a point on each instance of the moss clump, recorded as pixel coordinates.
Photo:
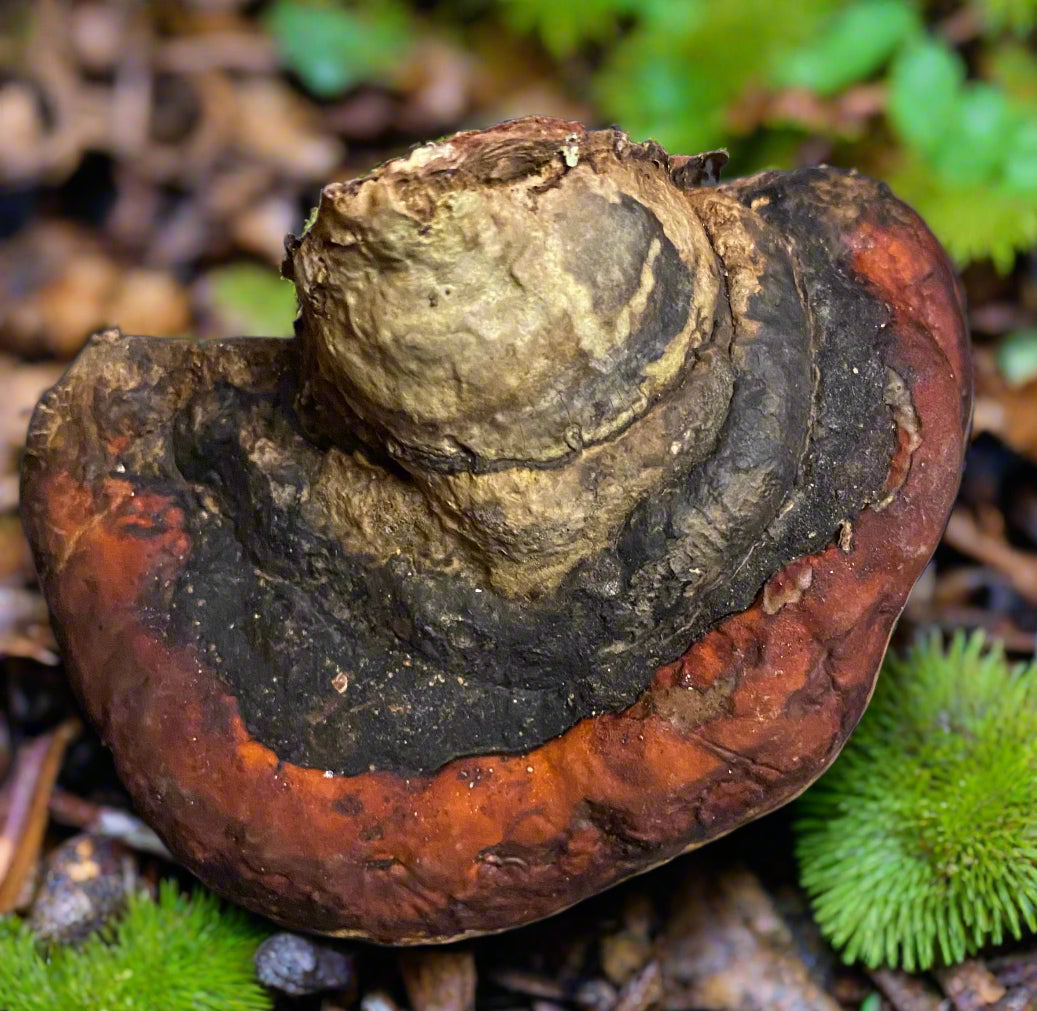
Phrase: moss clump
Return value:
(179, 953)
(919, 846)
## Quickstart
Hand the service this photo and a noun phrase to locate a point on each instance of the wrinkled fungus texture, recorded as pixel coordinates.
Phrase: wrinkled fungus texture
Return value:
(565, 536)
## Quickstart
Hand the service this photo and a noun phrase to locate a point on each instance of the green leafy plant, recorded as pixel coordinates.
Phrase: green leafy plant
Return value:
(332, 46)
(958, 142)
(857, 42)
(1018, 16)
(967, 149)
(677, 75)
(970, 158)
(919, 846)
(564, 28)
(179, 953)
(671, 70)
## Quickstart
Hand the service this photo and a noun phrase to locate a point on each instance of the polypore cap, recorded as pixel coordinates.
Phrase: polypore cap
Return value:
(566, 535)
(501, 298)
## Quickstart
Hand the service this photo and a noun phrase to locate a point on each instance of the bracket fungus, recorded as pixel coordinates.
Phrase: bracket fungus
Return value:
(566, 535)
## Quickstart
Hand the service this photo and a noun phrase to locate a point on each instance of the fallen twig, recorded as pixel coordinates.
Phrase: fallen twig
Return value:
(111, 822)
(27, 794)
(1020, 567)
(906, 992)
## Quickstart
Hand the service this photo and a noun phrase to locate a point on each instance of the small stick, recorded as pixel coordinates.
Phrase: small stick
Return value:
(906, 992)
(112, 822)
(1020, 567)
(36, 767)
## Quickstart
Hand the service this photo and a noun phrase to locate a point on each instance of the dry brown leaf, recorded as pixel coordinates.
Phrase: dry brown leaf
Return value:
(1019, 567)
(20, 387)
(726, 948)
(906, 992)
(58, 286)
(25, 627)
(625, 951)
(16, 568)
(261, 227)
(970, 986)
(23, 130)
(273, 126)
(439, 979)
(1009, 412)
(150, 302)
(438, 82)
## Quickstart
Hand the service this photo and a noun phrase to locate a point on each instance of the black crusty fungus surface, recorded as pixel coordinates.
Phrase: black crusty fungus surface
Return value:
(429, 665)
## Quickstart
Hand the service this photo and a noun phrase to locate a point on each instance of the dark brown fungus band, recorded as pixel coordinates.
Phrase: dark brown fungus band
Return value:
(566, 535)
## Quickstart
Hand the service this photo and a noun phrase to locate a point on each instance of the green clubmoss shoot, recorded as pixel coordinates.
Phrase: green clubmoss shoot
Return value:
(919, 846)
(179, 953)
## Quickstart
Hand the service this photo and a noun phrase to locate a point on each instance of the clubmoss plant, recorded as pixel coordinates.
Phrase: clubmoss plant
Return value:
(919, 846)
(179, 953)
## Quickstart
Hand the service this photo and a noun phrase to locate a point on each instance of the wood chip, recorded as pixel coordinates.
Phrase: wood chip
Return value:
(107, 822)
(439, 979)
(643, 991)
(908, 993)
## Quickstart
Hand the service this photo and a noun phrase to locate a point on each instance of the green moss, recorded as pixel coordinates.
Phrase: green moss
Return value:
(179, 953)
(310, 219)
(919, 846)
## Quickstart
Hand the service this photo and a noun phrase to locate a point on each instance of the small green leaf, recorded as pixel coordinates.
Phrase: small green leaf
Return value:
(333, 47)
(565, 27)
(1017, 357)
(973, 149)
(253, 300)
(925, 85)
(855, 45)
(652, 97)
(873, 1002)
(1013, 68)
(1020, 168)
(1018, 16)
(310, 219)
